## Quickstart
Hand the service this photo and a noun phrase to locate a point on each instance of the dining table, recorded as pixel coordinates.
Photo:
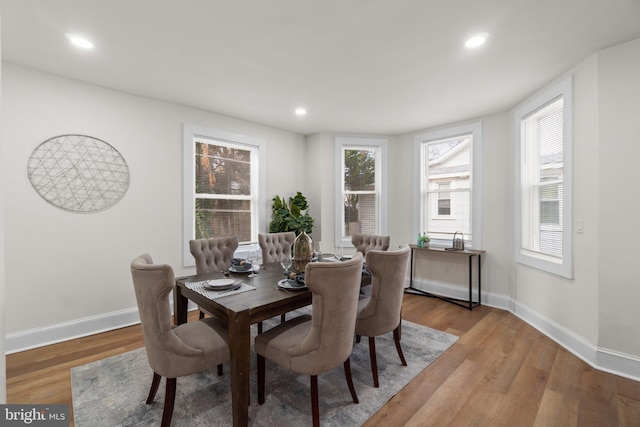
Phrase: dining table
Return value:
(240, 311)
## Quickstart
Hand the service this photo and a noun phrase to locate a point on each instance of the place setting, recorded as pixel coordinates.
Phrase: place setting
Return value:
(239, 265)
(219, 285)
(293, 281)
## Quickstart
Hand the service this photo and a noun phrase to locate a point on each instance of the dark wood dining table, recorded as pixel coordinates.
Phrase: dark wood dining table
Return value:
(241, 311)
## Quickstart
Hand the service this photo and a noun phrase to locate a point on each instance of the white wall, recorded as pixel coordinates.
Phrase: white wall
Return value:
(573, 304)
(497, 192)
(3, 370)
(322, 186)
(618, 201)
(595, 314)
(63, 266)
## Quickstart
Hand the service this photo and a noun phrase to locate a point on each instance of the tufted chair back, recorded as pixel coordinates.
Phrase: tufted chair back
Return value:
(274, 245)
(213, 254)
(367, 242)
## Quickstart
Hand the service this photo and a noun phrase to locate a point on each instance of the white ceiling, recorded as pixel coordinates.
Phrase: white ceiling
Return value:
(357, 66)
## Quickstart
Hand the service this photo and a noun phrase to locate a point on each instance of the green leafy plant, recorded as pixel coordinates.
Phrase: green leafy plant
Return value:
(423, 240)
(291, 216)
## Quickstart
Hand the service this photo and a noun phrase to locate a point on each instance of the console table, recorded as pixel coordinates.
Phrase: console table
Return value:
(469, 304)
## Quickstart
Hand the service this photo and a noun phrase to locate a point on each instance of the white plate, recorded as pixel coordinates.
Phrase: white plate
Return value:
(219, 284)
(291, 285)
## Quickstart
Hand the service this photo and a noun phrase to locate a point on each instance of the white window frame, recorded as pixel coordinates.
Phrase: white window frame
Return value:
(190, 134)
(562, 266)
(475, 129)
(361, 143)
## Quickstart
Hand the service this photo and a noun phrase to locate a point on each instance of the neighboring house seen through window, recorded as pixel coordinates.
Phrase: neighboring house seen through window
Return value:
(449, 171)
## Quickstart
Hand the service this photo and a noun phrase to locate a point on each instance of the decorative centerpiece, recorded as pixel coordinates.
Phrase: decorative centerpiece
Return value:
(294, 216)
(302, 251)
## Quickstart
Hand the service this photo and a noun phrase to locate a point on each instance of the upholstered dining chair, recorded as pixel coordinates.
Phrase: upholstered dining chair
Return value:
(368, 242)
(312, 345)
(215, 254)
(173, 351)
(275, 245)
(380, 313)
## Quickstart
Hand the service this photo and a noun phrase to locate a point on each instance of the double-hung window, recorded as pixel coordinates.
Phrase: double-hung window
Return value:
(543, 133)
(222, 177)
(449, 184)
(361, 190)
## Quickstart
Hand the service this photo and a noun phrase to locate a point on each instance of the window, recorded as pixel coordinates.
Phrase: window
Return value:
(449, 182)
(543, 234)
(444, 199)
(222, 186)
(361, 195)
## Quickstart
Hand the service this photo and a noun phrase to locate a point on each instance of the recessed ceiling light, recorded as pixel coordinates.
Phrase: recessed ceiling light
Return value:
(300, 111)
(476, 41)
(79, 41)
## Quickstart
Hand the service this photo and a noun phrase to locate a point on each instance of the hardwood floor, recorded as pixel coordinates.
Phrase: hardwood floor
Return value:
(501, 372)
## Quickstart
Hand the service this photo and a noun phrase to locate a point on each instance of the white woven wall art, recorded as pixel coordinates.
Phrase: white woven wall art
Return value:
(78, 173)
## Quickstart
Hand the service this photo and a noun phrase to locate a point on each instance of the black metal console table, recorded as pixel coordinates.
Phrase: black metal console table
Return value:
(468, 304)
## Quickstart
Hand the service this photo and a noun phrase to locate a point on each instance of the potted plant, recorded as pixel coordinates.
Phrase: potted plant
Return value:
(292, 216)
(423, 240)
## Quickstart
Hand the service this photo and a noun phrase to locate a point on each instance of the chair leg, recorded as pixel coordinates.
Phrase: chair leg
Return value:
(220, 370)
(315, 410)
(154, 388)
(201, 315)
(374, 361)
(169, 400)
(259, 327)
(283, 318)
(261, 375)
(396, 338)
(347, 374)
(357, 338)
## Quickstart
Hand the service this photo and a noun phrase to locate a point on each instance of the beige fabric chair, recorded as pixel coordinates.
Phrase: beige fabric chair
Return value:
(173, 351)
(380, 313)
(311, 345)
(274, 245)
(213, 255)
(368, 242)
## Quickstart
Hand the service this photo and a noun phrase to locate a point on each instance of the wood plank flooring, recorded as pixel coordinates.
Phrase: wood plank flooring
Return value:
(501, 373)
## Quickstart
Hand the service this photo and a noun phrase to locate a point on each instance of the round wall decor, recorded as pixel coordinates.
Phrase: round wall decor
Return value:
(78, 173)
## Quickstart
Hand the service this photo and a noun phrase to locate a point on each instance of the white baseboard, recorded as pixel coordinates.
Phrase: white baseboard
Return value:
(606, 360)
(624, 365)
(39, 337)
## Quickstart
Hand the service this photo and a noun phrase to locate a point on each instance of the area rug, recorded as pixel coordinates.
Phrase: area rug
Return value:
(112, 392)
